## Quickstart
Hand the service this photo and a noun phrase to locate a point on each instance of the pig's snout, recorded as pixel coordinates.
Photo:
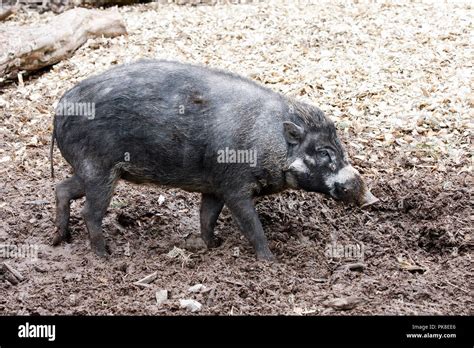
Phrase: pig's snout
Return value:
(354, 192)
(348, 186)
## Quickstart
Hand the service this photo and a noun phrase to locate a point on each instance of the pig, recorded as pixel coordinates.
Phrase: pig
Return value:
(198, 129)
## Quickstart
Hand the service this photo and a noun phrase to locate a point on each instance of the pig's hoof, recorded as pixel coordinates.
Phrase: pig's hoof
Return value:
(57, 239)
(100, 249)
(101, 253)
(266, 256)
(214, 242)
(60, 237)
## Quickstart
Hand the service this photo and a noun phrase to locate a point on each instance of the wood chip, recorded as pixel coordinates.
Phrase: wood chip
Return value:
(161, 296)
(190, 305)
(145, 282)
(343, 303)
(358, 266)
(235, 282)
(197, 288)
(413, 268)
(409, 266)
(13, 271)
(211, 297)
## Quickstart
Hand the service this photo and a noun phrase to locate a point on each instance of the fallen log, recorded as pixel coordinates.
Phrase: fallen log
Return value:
(7, 11)
(32, 48)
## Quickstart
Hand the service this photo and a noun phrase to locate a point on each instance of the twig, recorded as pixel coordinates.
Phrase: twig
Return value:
(457, 287)
(358, 266)
(210, 299)
(14, 271)
(145, 282)
(233, 282)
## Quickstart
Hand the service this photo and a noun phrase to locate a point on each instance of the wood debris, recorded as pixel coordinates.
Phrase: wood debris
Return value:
(11, 274)
(343, 303)
(145, 282)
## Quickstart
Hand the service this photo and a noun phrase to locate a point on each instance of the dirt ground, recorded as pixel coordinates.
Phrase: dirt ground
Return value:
(397, 81)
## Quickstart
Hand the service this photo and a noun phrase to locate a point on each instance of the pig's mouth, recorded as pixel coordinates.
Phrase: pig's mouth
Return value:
(362, 200)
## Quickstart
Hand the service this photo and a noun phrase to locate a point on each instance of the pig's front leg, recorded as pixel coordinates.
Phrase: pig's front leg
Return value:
(247, 220)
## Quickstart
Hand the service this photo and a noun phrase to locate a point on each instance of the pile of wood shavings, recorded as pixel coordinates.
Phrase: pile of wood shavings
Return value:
(396, 78)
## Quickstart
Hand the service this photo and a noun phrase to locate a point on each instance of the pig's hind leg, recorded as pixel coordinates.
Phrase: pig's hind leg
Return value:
(211, 207)
(66, 190)
(98, 195)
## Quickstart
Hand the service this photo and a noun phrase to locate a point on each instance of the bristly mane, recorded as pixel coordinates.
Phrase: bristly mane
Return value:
(311, 116)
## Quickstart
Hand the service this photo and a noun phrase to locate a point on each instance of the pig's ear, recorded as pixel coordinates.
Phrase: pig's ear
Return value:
(293, 133)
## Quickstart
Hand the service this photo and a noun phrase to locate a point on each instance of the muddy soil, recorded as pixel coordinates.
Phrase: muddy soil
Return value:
(422, 220)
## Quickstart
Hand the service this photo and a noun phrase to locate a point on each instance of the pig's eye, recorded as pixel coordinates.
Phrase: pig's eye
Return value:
(324, 154)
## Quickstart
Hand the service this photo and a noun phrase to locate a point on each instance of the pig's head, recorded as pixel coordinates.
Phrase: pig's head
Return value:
(317, 160)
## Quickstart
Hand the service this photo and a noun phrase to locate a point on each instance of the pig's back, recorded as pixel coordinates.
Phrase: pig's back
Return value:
(179, 115)
(156, 79)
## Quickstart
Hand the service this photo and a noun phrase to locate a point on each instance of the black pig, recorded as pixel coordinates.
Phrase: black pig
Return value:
(198, 129)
